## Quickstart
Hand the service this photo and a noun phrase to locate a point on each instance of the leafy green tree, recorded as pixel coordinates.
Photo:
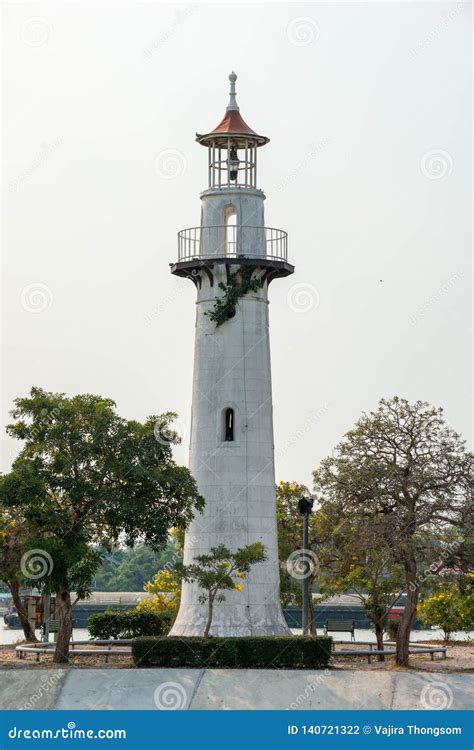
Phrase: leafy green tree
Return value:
(86, 477)
(129, 568)
(290, 531)
(217, 571)
(354, 559)
(12, 542)
(404, 464)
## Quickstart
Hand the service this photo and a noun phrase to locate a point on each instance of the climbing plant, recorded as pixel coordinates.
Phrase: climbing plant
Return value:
(240, 283)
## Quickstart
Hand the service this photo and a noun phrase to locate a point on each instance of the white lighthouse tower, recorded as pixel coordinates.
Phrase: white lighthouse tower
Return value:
(231, 448)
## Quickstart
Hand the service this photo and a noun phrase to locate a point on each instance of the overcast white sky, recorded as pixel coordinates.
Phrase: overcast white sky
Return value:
(368, 169)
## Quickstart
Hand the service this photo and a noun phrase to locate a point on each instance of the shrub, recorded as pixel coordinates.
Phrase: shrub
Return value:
(449, 609)
(127, 624)
(252, 652)
(392, 628)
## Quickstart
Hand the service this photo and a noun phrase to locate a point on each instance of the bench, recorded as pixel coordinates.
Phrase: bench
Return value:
(340, 626)
(54, 628)
(370, 653)
(23, 651)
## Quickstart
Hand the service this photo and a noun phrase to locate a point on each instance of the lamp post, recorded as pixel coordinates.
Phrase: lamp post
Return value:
(305, 506)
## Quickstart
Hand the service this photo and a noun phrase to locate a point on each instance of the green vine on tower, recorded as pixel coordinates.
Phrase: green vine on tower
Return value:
(239, 285)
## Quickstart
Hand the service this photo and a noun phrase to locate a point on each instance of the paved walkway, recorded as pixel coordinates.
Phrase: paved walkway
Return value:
(201, 689)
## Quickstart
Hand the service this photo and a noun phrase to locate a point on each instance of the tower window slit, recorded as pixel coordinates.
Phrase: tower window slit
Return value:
(229, 425)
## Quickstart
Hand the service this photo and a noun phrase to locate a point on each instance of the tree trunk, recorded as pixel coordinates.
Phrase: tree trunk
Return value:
(64, 612)
(14, 587)
(311, 618)
(379, 636)
(409, 613)
(209, 615)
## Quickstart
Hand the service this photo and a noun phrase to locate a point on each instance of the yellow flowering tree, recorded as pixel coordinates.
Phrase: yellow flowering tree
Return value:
(451, 609)
(165, 590)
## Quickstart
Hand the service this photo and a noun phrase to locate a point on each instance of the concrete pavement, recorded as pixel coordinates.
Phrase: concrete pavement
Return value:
(218, 689)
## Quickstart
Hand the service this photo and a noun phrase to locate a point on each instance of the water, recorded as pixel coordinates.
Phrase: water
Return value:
(8, 635)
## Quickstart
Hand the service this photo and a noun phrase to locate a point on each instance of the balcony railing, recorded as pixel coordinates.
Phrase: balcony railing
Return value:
(233, 242)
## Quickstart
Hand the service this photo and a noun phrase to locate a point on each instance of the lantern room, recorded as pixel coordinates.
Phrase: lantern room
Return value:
(232, 148)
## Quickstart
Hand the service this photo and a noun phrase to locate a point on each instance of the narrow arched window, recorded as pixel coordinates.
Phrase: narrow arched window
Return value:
(229, 425)
(230, 223)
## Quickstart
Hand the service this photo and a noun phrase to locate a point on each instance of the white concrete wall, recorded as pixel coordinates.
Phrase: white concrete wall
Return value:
(237, 479)
(248, 203)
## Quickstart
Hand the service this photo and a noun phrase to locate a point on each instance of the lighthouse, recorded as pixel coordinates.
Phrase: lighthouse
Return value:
(232, 258)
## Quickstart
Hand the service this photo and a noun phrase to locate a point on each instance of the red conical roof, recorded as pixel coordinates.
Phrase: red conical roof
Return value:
(233, 124)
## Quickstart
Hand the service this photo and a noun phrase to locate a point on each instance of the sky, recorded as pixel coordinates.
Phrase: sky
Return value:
(368, 109)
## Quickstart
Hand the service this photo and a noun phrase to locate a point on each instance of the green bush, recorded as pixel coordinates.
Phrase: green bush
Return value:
(253, 652)
(129, 623)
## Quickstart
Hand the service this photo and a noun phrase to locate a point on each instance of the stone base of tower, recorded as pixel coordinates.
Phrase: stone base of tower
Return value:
(231, 618)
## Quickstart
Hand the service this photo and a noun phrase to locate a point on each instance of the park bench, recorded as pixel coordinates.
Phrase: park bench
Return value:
(38, 649)
(340, 626)
(371, 652)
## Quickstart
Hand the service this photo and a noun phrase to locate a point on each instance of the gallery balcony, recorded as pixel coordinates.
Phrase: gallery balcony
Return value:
(199, 248)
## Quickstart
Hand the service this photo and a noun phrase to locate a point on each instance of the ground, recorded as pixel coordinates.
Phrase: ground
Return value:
(219, 689)
(88, 683)
(459, 658)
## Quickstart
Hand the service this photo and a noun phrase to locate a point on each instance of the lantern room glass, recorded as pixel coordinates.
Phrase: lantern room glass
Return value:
(232, 163)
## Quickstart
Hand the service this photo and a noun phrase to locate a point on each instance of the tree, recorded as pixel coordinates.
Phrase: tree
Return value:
(402, 463)
(129, 568)
(12, 541)
(87, 477)
(353, 558)
(216, 572)
(290, 531)
(449, 609)
(165, 590)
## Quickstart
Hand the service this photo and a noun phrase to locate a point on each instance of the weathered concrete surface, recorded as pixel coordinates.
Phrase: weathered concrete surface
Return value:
(232, 370)
(196, 689)
(434, 690)
(292, 690)
(131, 689)
(27, 689)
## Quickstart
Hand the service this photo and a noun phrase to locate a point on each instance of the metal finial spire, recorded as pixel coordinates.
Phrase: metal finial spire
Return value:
(232, 106)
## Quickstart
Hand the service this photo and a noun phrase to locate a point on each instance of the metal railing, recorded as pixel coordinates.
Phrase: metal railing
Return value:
(232, 241)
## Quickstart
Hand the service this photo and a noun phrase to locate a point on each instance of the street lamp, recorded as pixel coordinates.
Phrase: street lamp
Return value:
(305, 507)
